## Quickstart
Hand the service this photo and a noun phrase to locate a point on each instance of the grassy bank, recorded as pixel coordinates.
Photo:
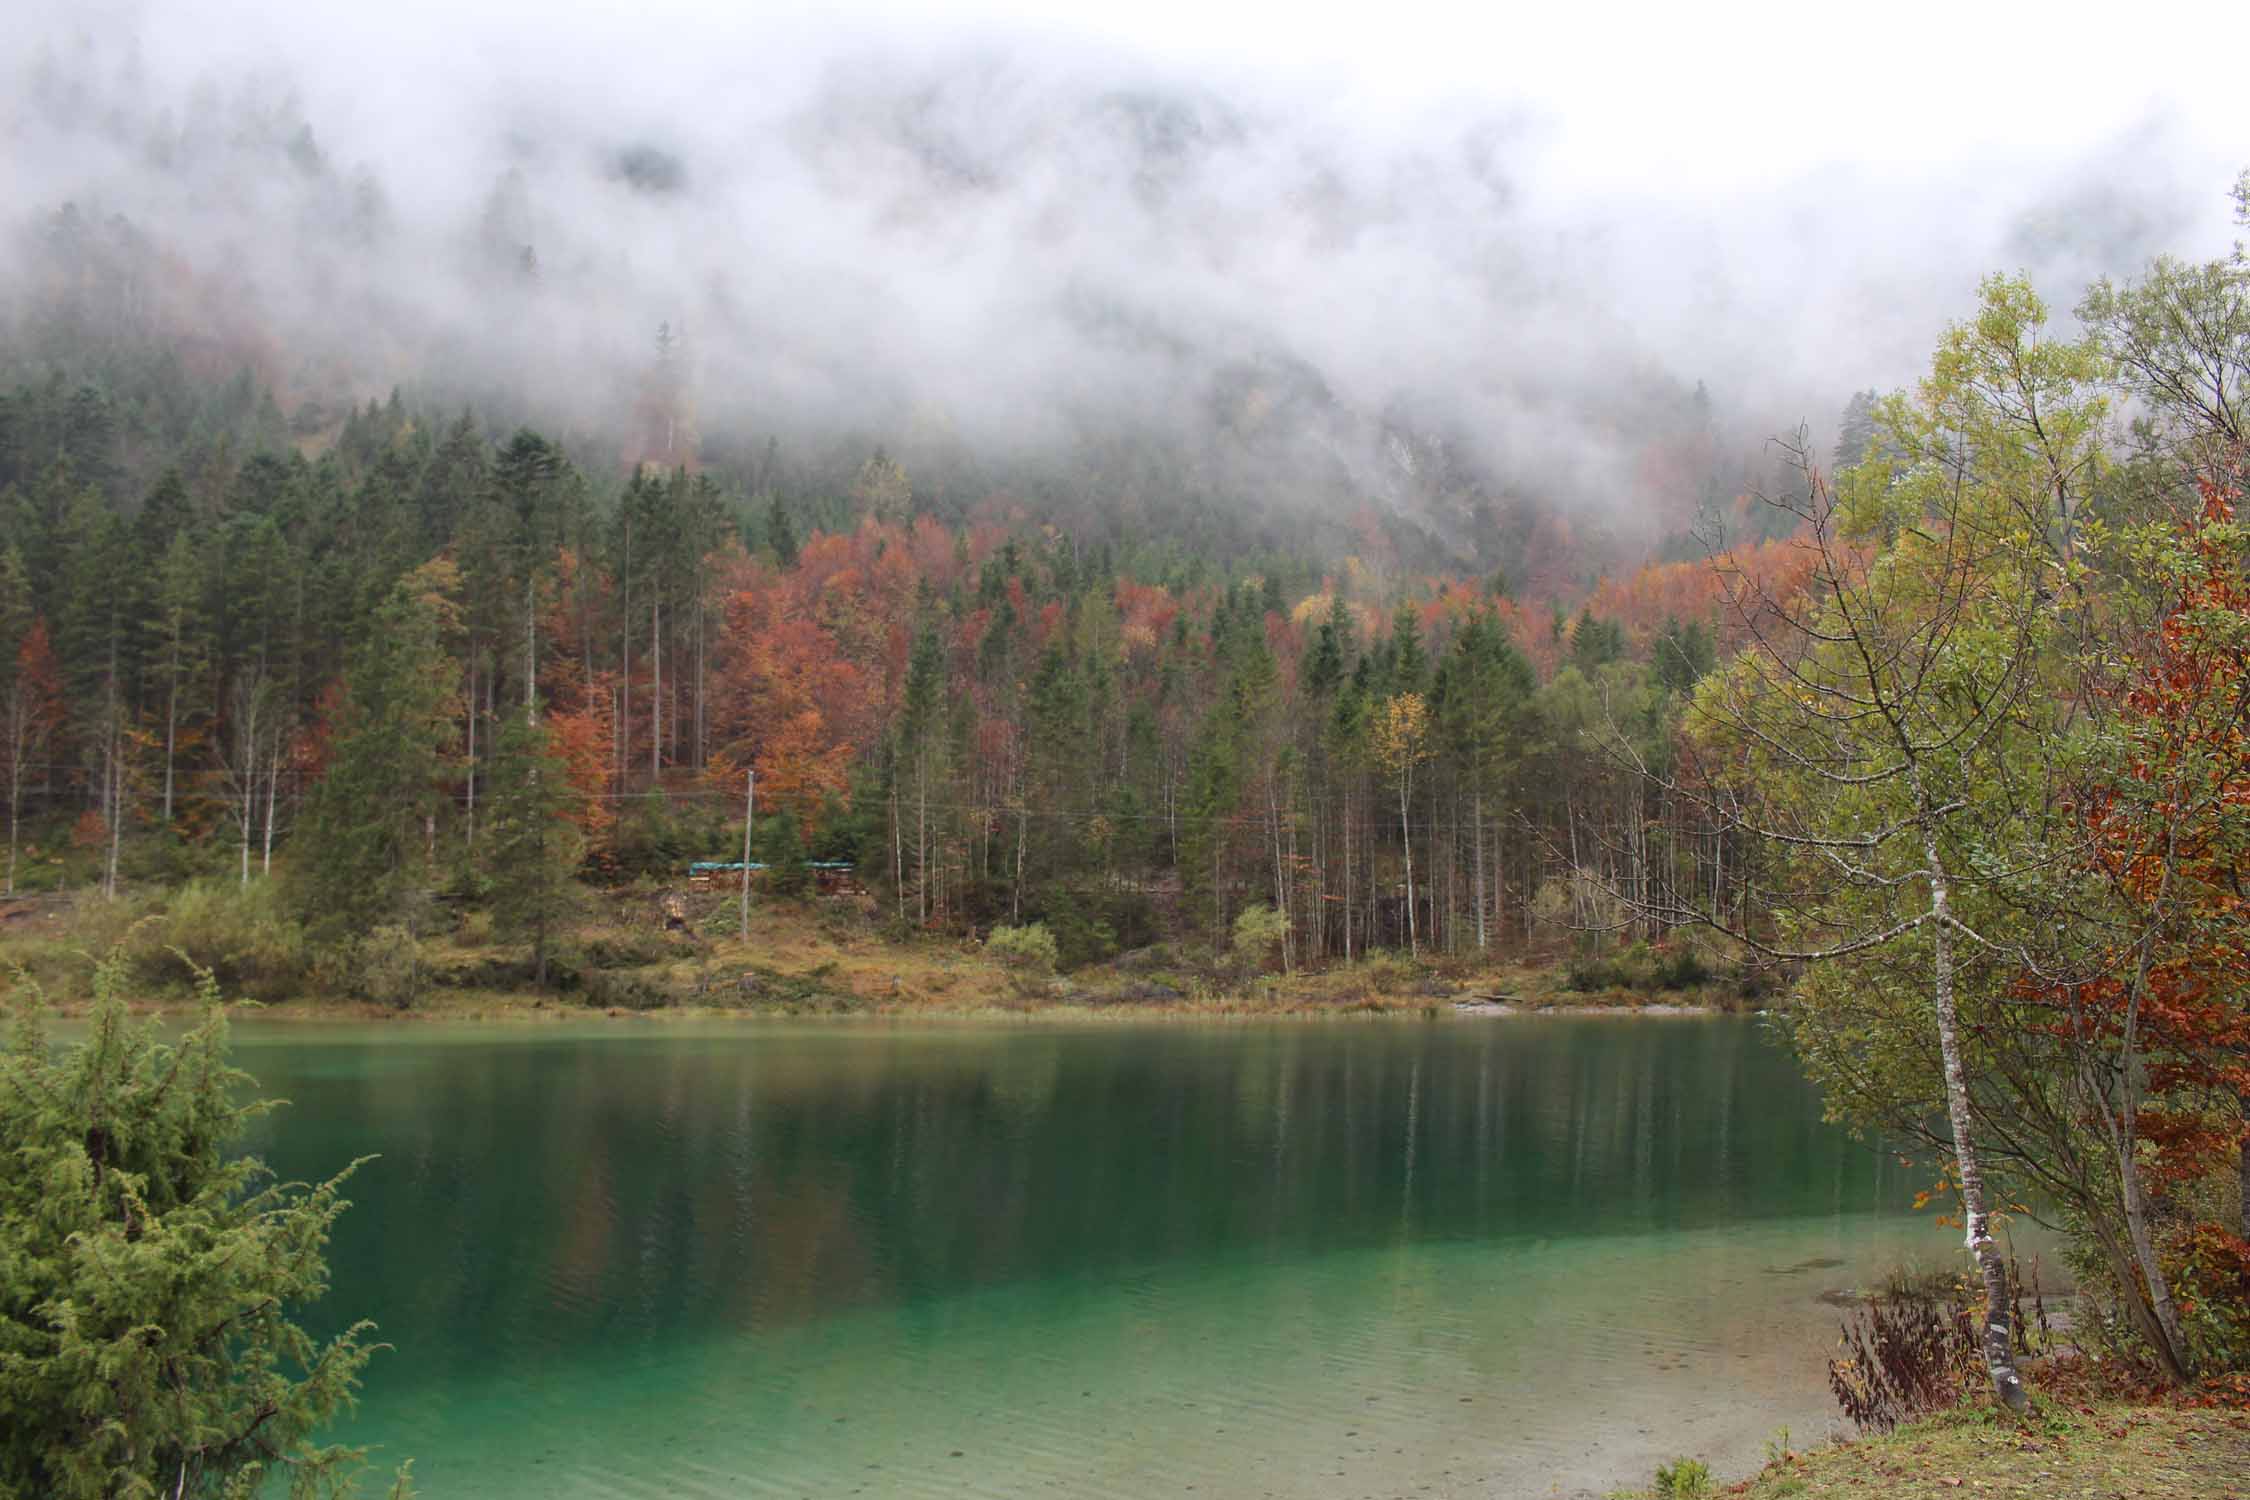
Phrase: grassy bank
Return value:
(809, 957)
(2108, 1449)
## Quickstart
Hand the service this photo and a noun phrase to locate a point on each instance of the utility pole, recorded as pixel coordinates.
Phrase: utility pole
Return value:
(749, 807)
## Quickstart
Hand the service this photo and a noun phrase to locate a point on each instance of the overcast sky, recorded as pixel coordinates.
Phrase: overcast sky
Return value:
(1014, 214)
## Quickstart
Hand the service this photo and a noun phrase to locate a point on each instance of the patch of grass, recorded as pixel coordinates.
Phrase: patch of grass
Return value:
(2103, 1449)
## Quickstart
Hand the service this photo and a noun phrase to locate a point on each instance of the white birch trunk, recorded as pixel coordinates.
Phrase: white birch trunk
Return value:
(1999, 1338)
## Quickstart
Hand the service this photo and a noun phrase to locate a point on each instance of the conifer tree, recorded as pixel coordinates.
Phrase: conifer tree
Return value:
(532, 846)
(781, 533)
(372, 817)
(177, 649)
(145, 1342)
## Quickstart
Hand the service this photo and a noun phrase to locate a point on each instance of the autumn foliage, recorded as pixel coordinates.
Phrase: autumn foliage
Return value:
(2169, 836)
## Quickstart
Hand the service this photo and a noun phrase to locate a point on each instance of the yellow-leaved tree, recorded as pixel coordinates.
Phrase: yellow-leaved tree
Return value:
(1402, 742)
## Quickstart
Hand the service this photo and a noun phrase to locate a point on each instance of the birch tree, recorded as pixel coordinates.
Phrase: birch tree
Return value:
(242, 763)
(1885, 730)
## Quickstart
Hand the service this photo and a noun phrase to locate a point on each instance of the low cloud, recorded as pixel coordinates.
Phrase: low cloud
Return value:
(1309, 279)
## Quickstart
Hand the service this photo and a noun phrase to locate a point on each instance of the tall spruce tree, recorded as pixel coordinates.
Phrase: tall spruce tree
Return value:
(372, 816)
(531, 849)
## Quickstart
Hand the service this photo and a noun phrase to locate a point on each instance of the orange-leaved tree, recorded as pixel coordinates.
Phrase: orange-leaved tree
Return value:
(2162, 1029)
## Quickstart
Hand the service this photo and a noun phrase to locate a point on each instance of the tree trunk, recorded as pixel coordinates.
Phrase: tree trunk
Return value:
(1406, 838)
(530, 648)
(1015, 891)
(1476, 831)
(273, 796)
(116, 804)
(2122, 1124)
(1346, 825)
(1999, 1340)
(2172, 1350)
(472, 805)
(898, 849)
(171, 740)
(625, 664)
(1292, 885)
(2242, 1101)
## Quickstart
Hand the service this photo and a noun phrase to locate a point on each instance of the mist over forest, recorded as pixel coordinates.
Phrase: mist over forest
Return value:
(1106, 280)
(972, 509)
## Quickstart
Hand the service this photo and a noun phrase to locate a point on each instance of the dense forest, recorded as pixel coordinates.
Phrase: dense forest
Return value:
(1111, 685)
(997, 718)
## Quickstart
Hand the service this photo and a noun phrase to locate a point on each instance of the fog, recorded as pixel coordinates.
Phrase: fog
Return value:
(1314, 254)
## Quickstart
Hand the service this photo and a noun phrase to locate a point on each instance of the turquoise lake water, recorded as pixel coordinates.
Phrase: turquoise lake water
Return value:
(1506, 1256)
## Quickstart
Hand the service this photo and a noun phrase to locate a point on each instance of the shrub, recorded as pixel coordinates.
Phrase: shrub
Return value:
(1550, 912)
(1683, 1479)
(658, 837)
(1903, 1358)
(241, 934)
(1588, 975)
(2214, 1282)
(1638, 966)
(1258, 931)
(1082, 935)
(629, 950)
(606, 991)
(1028, 949)
(1680, 969)
(469, 885)
(154, 1269)
(384, 965)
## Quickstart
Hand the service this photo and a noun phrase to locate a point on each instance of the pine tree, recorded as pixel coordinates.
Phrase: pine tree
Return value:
(177, 650)
(1682, 655)
(1214, 791)
(781, 533)
(373, 816)
(1324, 664)
(532, 847)
(781, 849)
(1410, 662)
(1855, 430)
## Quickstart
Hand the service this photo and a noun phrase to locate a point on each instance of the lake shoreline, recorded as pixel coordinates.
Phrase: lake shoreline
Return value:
(802, 960)
(810, 960)
(532, 1011)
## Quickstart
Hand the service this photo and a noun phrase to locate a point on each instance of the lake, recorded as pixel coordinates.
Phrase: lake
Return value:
(1509, 1256)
